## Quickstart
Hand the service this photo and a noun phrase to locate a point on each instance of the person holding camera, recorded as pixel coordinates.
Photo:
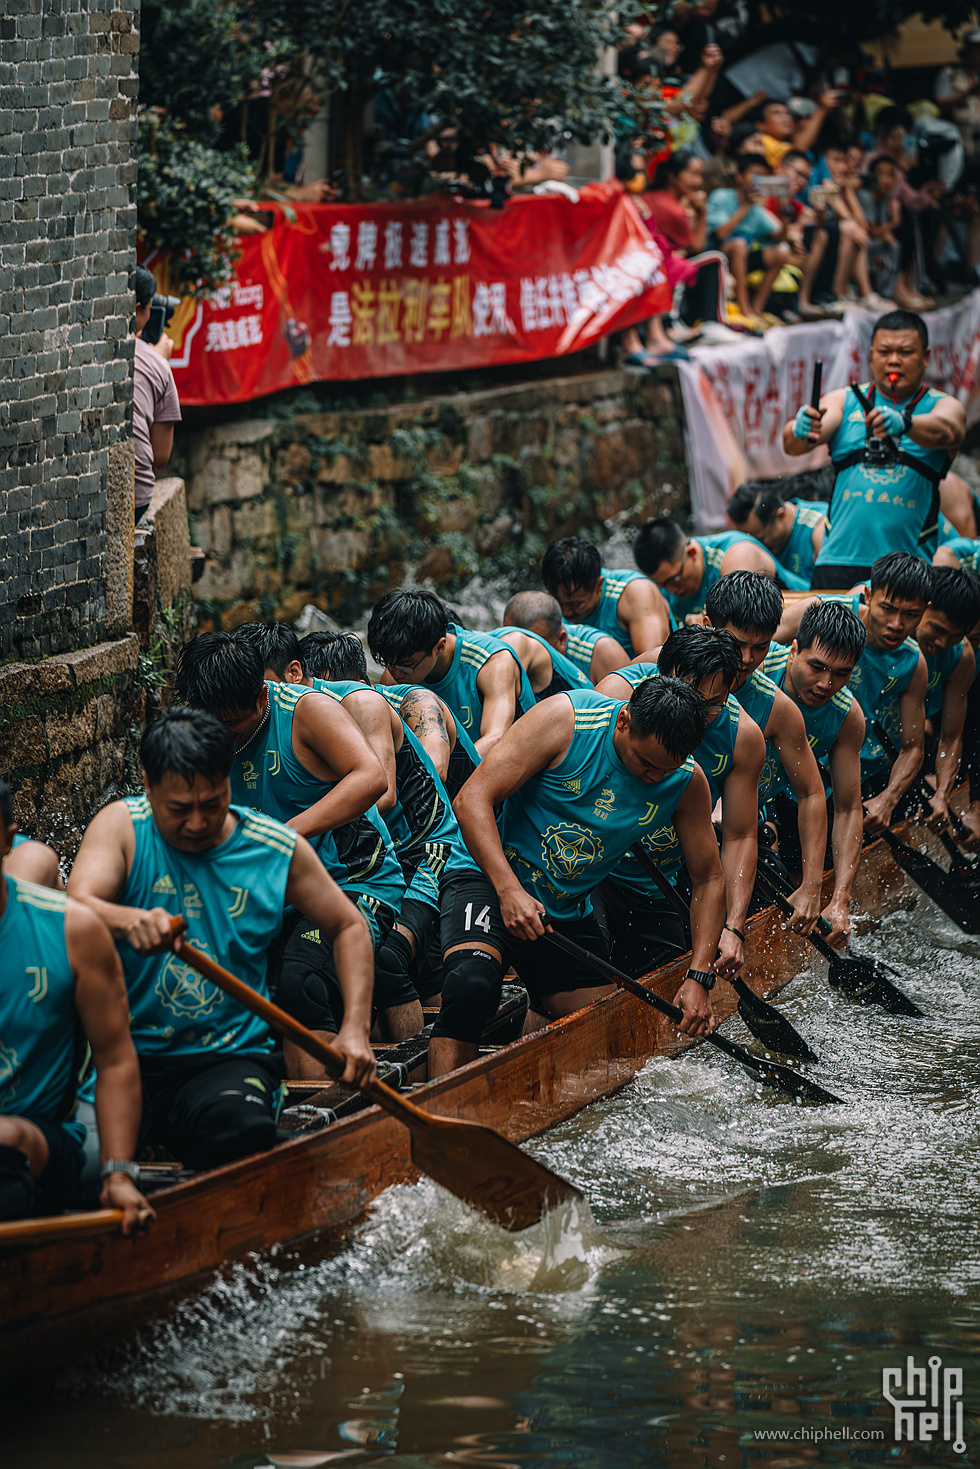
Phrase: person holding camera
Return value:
(156, 407)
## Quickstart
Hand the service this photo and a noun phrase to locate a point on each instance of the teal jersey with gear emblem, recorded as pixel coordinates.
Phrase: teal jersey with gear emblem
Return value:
(715, 549)
(822, 725)
(565, 674)
(798, 556)
(267, 776)
(465, 756)
(880, 677)
(580, 641)
(41, 1042)
(422, 825)
(715, 755)
(567, 828)
(604, 618)
(877, 509)
(939, 668)
(458, 688)
(232, 897)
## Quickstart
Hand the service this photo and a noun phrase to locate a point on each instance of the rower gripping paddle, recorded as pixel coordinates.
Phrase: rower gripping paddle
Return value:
(760, 1068)
(762, 1019)
(925, 799)
(473, 1162)
(860, 979)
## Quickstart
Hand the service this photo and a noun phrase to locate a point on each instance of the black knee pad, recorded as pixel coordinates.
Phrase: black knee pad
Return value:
(17, 1191)
(392, 978)
(309, 998)
(471, 987)
(232, 1125)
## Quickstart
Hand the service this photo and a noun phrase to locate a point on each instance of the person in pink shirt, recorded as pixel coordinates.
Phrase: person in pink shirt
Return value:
(156, 407)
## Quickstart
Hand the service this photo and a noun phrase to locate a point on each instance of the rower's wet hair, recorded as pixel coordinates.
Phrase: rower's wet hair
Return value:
(748, 600)
(571, 562)
(902, 575)
(527, 608)
(835, 627)
(956, 594)
(405, 624)
(333, 655)
(186, 743)
(278, 645)
(6, 804)
(220, 672)
(700, 653)
(674, 711)
(757, 496)
(658, 541)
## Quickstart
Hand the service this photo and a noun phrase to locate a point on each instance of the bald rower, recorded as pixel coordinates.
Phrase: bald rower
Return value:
(592, 651)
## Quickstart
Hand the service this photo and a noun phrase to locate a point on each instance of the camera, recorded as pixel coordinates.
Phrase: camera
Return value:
(161, 313)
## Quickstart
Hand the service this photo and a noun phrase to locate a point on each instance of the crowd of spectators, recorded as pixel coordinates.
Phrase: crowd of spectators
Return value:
(789, 183)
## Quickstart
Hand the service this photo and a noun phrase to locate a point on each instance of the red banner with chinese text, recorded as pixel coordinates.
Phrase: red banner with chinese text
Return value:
(359, 291)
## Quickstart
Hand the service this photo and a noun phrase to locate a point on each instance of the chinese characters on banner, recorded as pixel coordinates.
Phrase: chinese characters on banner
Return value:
(737, 398)
(358, 291)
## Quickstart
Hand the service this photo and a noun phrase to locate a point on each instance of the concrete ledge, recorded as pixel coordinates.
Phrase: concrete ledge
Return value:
(65, 672)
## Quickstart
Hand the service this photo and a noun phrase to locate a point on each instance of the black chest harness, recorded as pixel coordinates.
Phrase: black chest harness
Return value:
(882, 453)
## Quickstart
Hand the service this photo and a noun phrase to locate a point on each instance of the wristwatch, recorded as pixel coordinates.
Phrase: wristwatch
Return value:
(121, 1165)
(703, 977)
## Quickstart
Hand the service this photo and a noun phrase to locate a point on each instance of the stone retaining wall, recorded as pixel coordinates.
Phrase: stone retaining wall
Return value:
(338, 507)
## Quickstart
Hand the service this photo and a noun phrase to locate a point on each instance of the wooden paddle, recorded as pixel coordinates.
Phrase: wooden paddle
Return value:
(473, 1162)
(760, 1068)
(762, 1019)
(859, 978)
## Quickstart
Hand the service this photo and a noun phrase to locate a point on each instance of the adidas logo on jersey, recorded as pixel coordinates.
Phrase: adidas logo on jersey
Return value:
(165, 885)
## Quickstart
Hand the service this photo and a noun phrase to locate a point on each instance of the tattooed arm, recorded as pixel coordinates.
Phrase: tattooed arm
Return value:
(422, 712)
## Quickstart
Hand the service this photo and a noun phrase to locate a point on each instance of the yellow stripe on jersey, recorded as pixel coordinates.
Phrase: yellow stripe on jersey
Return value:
(37, 896)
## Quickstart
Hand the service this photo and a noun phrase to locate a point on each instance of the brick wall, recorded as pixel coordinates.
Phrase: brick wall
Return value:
(68, 87)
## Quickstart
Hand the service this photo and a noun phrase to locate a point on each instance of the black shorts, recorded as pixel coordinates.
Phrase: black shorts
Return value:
(469, 913)
(838, 578)
(643, 932)
(785, 813)
(206, 1110)
(303, 978)
(397, 960)
(60, 1185)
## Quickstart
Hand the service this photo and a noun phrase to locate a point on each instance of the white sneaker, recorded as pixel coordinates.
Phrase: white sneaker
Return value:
(874, 302)
(713, 334)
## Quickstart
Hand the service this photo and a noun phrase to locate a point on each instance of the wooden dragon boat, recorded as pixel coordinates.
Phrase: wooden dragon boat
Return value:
(59, 1296)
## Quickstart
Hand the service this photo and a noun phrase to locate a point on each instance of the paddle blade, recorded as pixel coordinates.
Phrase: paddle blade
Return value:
(864, 980)
(774, 1075)
(943, 888)
(487, 1172)
(771, 1028)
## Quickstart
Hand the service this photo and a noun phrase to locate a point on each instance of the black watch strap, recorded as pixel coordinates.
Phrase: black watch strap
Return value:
(704, 978)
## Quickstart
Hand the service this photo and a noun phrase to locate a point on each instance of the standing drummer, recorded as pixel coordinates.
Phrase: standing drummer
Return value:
(889, 460)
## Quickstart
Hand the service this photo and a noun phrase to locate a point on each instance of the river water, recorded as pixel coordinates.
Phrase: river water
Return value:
(753, 1269)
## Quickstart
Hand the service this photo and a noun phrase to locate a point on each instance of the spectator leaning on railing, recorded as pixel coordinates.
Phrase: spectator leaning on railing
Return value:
(156, 407)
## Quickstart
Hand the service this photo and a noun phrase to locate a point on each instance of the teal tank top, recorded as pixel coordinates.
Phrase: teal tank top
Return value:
(458, 686)
(232, 897)
(872, 510)
(715, 755)
(604, 618)
(967, 552)
(421, 823)
(41, 1040)
(880, 677)
(756, 697)
(714, 548)
(797, 556)
(565, 674)
(580, 644)
(463, 759)
(267, 776)
(822, 726)
(567, 828)
(939, 668)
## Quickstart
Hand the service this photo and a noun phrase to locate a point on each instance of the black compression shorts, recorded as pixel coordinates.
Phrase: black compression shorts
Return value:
(60, 1184)
(210, 1109)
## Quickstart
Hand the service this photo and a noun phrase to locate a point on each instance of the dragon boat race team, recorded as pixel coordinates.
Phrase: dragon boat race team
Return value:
(624, 605)
(813, 672)
(592, 651)
(943, 638)
(792, 531)
(62, 989)
(210, 1070)
(579, 779)
(413, 637)
(687, 567)
(300, 758)
(890, 455)
(889, 680)
(731, 755)
(747, 605)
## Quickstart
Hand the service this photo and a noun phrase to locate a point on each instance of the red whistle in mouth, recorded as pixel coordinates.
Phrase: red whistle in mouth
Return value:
(893, 377)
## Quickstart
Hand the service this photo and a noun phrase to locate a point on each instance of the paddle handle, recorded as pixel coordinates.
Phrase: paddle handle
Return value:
(660, 879)
(769, 883)
(57, 1226)
(277, 1019)
(616, 976)
(816, 384)
(888, 745)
